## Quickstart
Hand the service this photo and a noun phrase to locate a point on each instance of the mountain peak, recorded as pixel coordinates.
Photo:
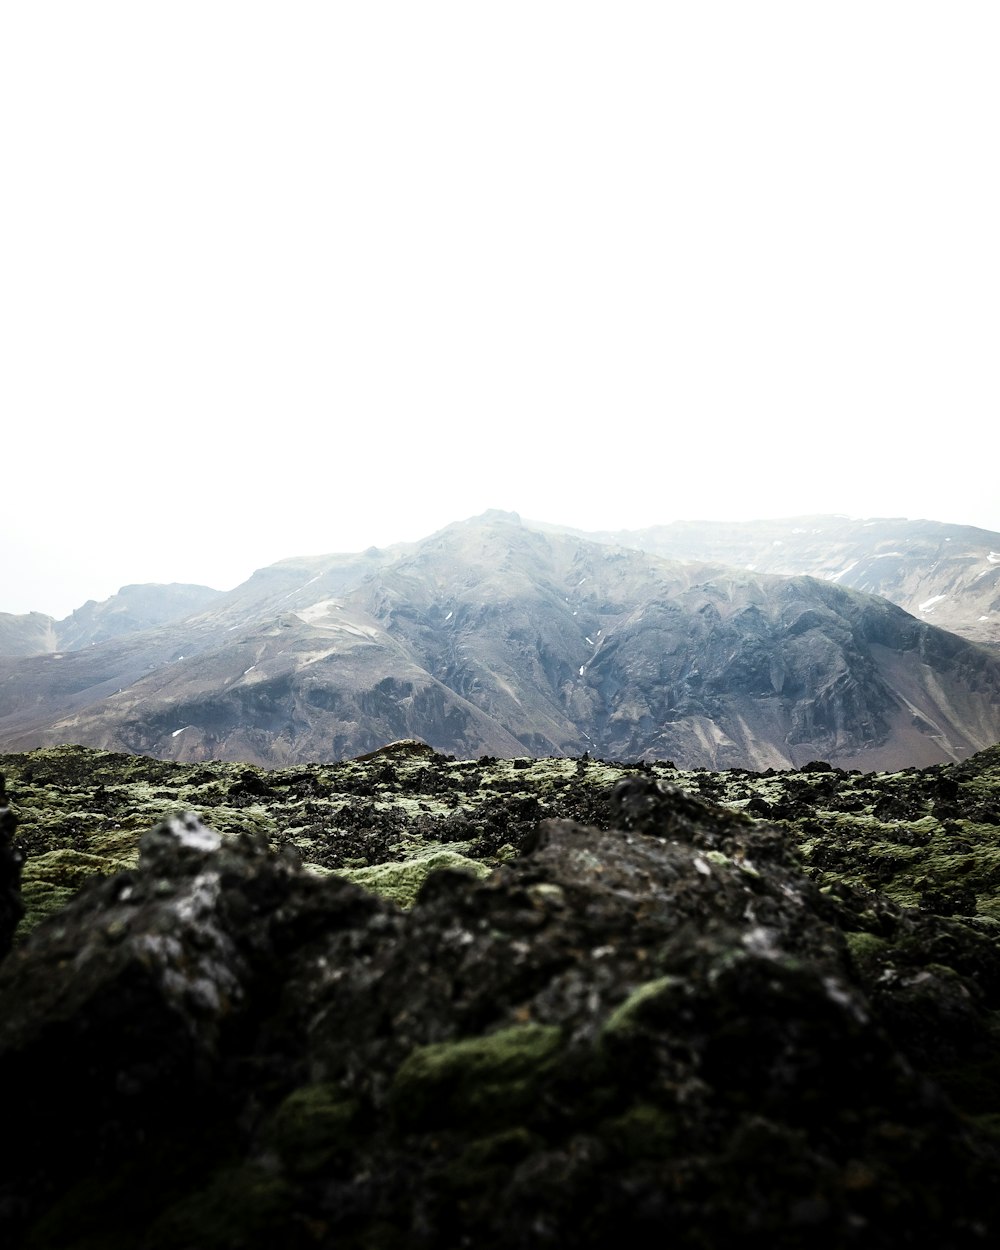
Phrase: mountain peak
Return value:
(498, 514)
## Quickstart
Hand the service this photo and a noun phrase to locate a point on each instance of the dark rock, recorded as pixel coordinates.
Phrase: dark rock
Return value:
(898, 806)
(11, 861)
(122, 1012)
(251, 785)
(943, 787)
(655, 1035)
(405, 748)
(759, 807)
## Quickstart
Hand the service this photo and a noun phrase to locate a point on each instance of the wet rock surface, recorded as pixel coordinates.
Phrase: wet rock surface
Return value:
(673, 1028)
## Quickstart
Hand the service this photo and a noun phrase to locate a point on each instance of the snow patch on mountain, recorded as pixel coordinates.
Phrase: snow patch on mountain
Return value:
(316, 610)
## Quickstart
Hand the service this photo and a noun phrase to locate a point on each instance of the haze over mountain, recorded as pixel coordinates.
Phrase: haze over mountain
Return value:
(946, 574)
(492, 636)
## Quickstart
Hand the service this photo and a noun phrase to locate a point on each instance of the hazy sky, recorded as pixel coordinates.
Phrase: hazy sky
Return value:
(287, 278)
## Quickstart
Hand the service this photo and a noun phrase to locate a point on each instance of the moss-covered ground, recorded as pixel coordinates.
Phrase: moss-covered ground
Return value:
(926, 839)
(665, 1030)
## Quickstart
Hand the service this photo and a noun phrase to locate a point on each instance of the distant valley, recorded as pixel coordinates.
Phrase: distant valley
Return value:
(504, 638)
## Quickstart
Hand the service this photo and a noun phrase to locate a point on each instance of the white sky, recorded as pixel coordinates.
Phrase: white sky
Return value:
(285, 278)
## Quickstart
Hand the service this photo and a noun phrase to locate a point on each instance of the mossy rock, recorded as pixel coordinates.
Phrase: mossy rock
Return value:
(71, 868)
(41, 899)
(401, 882)
(242, 1208)
(644, 1131)
(49, 881)
(492, 1080)
(645, 1001)
(867, 951)
(487, 1161)
(313, 1129)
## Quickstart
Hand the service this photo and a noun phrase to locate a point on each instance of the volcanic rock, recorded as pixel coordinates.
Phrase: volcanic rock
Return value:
(11, 860)
(659, 1033)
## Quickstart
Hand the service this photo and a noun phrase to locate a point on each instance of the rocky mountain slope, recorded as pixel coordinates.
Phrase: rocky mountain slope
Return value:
(613, 1008)
(31, 633)
(946, 574)
(494, 637)
(132, 609)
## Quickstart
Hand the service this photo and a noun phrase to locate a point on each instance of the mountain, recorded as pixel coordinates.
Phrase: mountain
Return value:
(32, 633)
(948, 575)
(495, 637)
(132, 609)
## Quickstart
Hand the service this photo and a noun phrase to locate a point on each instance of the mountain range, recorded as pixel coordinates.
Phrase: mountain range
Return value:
(715, 645)
(946, 574)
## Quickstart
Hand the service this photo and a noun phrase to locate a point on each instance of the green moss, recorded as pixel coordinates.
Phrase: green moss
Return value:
(401, 882)
(476, 1082)
(242, 1206)
(629, 1014)
(50, 880)
(41, 899)
(866, 950)
(98, 803)
(67, 867)
(643, 1132)
(313, 1128)
(487, 1162)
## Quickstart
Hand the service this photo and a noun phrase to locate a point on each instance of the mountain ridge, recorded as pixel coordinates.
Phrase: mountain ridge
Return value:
(944, 573)
(496, 637)
(133, 608)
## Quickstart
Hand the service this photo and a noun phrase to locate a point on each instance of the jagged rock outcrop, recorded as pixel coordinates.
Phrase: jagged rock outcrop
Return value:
(659, 1034)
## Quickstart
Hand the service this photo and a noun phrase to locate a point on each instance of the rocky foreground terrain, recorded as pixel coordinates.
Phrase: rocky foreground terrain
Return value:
(410, 1001)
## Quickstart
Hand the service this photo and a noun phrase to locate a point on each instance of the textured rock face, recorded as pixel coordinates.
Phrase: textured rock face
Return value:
(660, 1033)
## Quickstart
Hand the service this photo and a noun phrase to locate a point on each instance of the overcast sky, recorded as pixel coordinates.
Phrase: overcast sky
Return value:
(285, 278)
